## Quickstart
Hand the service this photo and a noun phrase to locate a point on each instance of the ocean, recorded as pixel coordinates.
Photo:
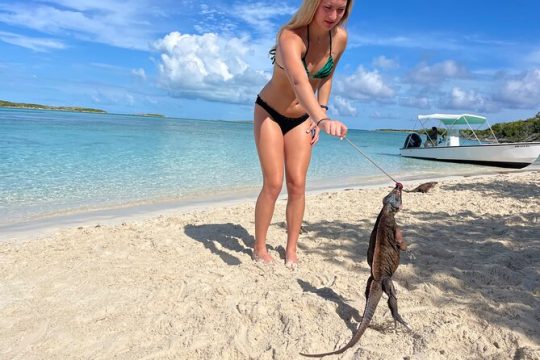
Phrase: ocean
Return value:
(56, 163)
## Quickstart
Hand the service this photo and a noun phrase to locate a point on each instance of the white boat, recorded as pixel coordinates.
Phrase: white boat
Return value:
(450, 146)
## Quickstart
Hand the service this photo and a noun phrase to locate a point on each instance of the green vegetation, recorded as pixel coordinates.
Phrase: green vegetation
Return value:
(153, 115)
(515, 131)
(10, 104)
(394, 130)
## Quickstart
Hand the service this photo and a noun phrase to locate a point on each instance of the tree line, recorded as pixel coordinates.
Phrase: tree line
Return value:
(9, 104)
(515, 131)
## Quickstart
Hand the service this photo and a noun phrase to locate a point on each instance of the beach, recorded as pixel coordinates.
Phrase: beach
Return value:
(182, 285)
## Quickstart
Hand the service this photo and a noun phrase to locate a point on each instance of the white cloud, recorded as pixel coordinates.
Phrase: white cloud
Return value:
(522, 91)
(385, 63)
(377, 115)
(111, 96)
(85, 5)
(459, 99)
(533, 57)
(109, 22)
(140, 73)
(364, 85)
(229, 19)
(414, 41)
(421, 102)
(447, 41)
(436, 73)
(344, 107)
(213, 19)
(208, 66)
(260, 14)
(36, 44)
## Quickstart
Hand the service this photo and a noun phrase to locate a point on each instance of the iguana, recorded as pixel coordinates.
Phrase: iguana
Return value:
(385, 244)
(423, 188)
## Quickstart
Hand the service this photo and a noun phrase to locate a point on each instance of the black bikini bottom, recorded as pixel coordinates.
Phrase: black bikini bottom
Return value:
(284, 122)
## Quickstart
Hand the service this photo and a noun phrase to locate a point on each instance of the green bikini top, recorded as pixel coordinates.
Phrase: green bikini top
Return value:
(327, 68)
(325, 71)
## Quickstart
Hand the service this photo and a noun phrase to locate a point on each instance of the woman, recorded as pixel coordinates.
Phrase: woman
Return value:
(291, 109)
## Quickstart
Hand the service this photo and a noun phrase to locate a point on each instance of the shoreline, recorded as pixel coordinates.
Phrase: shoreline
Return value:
(46, 225)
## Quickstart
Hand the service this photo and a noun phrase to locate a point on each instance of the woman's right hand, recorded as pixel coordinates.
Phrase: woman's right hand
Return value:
(334, 128)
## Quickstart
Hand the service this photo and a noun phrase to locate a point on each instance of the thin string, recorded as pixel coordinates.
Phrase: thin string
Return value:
(367, 157)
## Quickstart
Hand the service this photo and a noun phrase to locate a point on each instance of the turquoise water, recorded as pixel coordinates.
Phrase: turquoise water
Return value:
(55, 163)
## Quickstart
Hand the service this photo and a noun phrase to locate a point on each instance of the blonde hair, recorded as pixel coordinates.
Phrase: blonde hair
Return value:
(304, 16)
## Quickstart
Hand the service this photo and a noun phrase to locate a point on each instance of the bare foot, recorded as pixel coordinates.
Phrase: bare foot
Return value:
(263, 257)
(291, 261)
(291, 265)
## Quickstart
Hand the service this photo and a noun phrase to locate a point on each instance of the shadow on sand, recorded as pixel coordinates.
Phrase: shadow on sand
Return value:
(344, 310)
(500, 265)
(232, 238)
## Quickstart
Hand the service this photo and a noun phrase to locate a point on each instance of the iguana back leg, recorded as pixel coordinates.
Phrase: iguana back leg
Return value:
(388, 288)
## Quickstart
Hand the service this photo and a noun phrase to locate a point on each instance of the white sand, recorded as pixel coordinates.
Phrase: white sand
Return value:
(184, 285)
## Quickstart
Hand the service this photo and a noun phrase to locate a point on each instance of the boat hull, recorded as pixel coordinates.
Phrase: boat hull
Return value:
(512, 155)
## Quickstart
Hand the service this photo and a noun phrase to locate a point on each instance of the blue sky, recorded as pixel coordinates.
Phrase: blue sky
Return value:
(209, 59)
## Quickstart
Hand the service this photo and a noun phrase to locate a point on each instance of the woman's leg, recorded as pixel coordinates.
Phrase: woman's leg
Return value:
(297, 158)
(269, 141)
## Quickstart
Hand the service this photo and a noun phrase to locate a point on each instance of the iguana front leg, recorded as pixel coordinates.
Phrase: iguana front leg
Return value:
(398, 235)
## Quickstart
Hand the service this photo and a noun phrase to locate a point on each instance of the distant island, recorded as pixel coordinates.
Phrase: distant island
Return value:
(393, 130)
(152, 115)
(9, 104)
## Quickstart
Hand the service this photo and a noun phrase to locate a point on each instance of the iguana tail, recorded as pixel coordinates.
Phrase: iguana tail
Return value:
(375, 294)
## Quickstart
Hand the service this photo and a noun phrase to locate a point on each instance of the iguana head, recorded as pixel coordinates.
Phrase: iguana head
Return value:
(394, 198)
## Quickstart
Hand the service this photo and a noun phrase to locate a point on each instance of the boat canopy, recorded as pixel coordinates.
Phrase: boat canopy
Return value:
(450, 119)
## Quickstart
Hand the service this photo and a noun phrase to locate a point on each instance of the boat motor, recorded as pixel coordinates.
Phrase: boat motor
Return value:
(413, 140)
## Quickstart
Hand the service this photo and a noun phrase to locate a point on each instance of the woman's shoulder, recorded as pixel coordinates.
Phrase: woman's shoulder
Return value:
(291, 40)
(340, 34)
(291, 34)
(340, 38)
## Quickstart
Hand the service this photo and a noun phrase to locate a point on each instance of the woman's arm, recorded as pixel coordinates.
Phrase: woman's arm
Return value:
(323, 94)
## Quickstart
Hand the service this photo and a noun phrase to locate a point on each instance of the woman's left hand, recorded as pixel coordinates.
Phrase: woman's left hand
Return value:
(313, 131)
(333, 127)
